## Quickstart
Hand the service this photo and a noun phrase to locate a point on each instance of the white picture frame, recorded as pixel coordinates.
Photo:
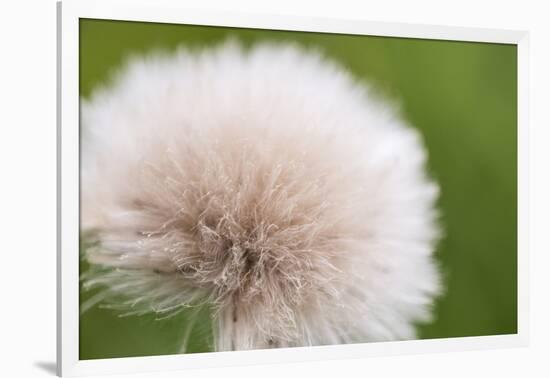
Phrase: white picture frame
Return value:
(170, 11)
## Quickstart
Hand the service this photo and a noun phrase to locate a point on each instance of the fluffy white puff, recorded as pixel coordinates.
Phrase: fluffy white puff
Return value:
(266, 182)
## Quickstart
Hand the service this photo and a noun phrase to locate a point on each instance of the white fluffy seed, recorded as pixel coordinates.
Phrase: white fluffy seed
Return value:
(267, 182)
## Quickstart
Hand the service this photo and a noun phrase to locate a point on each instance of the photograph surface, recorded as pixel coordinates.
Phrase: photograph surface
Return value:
(253, 189)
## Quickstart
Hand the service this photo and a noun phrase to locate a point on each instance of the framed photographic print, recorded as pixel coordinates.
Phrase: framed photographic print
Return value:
(240, 188)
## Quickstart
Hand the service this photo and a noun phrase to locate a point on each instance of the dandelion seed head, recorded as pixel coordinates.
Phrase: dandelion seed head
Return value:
(267, 182)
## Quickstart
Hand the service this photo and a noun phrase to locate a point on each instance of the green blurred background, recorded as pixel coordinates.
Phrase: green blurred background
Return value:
(463, 99)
